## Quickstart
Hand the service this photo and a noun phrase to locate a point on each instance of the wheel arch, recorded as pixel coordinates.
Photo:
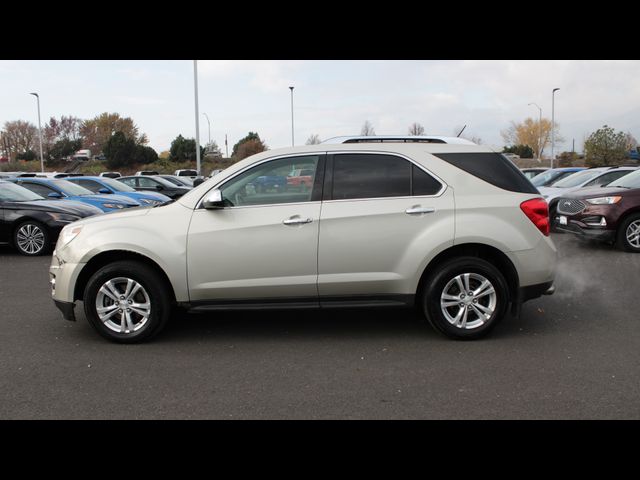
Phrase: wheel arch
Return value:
(479, 250)
(105, 258)
(627, 214)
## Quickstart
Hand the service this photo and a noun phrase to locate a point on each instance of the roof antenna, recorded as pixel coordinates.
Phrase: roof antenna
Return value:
(461, 131)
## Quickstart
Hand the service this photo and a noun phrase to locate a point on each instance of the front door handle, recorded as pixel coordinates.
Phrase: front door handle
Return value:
(418, 210)
(297, 220)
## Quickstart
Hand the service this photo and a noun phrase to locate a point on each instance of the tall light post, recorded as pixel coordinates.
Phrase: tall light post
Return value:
(291, 88)
(207, 117)
(553, 123)
(195, 85)
(539, 131)
(40, 131)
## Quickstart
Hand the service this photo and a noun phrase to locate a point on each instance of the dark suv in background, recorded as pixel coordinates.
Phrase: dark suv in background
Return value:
(610, 213)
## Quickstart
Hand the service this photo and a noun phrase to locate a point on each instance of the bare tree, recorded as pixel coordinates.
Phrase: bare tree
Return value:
(416, 129)
(314, 139)
(367, 129)
(19, 136)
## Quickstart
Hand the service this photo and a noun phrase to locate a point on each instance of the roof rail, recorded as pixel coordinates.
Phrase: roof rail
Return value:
(398, 139)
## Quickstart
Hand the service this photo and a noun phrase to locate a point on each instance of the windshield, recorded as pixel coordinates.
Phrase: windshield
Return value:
(71, 189)
(10, 192)
(631, 180)
(173, 180)
(164, 182)
(116, 185)
(578, 179)
(186, 181)
(544, 178)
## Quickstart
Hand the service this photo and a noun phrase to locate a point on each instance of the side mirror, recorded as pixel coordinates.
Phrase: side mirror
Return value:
(198, 181)
(213, 201)
(159, 187)
(54, 195)
(104, 190)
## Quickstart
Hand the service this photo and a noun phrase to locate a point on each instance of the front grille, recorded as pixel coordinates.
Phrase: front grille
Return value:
(570, 206)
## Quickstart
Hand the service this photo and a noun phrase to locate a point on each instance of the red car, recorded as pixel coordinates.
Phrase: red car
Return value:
(302, 179)
(610, 213)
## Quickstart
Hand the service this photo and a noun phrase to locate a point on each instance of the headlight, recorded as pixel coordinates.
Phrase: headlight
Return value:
(63, 217)
(148, 201)
(604, 200)
(67, 234)
(114, 205)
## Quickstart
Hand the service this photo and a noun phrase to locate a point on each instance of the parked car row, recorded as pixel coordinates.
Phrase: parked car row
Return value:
(601, 203)
(31, 222)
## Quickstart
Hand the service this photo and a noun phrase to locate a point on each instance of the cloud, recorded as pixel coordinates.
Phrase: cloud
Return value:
(264, 75)
(139, 100)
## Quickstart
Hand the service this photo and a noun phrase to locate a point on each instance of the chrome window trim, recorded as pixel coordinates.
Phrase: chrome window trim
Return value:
(440, 192)
(226, 180)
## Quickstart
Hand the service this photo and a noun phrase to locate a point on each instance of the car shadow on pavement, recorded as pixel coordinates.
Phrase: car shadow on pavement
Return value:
(384, 323)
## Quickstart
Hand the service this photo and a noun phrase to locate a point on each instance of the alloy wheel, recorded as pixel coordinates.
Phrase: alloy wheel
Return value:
(30, 239)
(468, 301)
(123, 305)
(633, 234)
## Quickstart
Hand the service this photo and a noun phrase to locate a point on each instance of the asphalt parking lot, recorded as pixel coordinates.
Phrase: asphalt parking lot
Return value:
(573, 355)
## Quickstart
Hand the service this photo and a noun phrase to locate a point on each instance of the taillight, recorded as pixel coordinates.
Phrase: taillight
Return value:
(537, 210)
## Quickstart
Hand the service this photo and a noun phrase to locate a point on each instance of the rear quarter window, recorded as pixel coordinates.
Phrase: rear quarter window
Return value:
(491, 167)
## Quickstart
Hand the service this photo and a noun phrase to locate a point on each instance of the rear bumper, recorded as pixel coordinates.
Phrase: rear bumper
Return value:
(67, 310)
(534, 291)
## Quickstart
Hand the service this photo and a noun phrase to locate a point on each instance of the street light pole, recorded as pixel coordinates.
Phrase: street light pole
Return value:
(539, 132)
(207, 116)
(195, 84)
(292, 142)
(553, 123)
(40, 131)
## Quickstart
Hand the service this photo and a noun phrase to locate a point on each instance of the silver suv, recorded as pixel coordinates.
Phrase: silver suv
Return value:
(452, 228)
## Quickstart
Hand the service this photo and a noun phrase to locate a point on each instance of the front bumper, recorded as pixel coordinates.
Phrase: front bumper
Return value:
(584, 231)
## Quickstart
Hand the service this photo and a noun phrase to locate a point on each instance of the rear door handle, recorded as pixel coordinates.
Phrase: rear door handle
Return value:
(418, 210)
(297, 220)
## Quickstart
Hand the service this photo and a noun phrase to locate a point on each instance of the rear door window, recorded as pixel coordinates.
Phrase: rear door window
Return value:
(89, 185)
(370, 176)
(38, 188)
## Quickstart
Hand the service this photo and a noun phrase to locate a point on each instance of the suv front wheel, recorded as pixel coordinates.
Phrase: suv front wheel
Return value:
(465, 298)
(629, 234)
(126, 302)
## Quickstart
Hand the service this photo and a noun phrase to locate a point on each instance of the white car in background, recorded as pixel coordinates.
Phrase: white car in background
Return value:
(193, 174)
(452, 228)
(591, 177)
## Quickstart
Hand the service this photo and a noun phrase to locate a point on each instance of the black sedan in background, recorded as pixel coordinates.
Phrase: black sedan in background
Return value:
(32, 224)
(154, 183)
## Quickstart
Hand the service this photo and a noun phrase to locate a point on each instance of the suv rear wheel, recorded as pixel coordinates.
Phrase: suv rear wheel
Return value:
(126, 302)
(465, 298)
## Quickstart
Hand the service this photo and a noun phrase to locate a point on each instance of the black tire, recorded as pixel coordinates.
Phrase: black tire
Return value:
(621, 237)
(153, 287)
(40, 233)
(446, 272)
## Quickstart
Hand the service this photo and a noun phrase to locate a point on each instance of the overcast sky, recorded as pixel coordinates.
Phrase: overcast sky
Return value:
(331, 98)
